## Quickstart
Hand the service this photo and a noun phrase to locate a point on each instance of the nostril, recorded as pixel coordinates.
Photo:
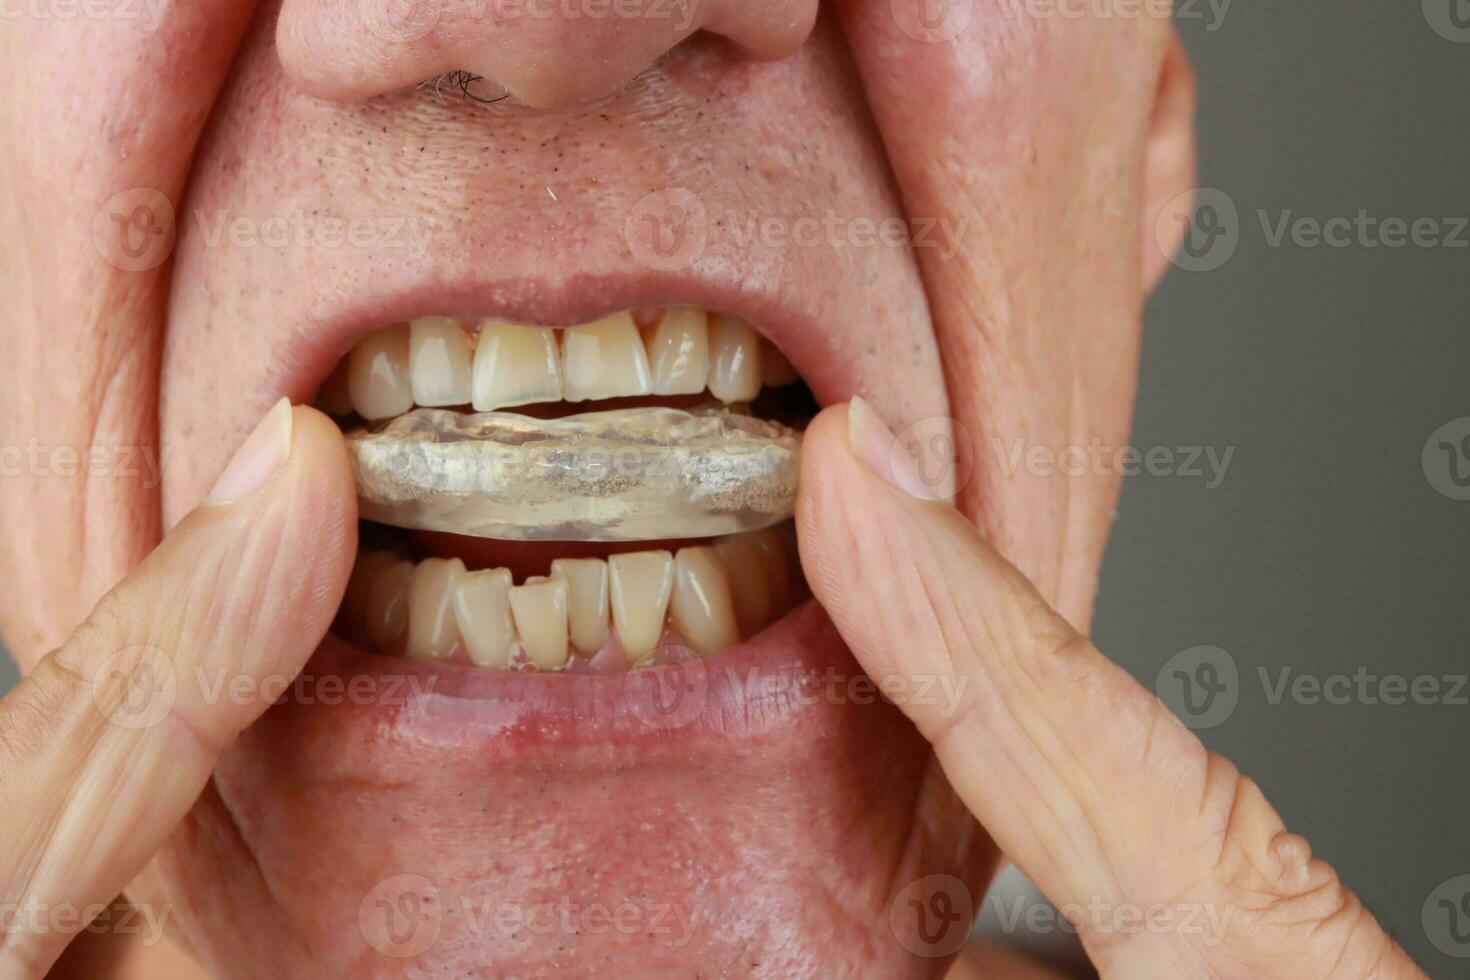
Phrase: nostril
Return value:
(545, 53)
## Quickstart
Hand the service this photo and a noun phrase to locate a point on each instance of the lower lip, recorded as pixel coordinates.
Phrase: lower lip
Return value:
(369, 704)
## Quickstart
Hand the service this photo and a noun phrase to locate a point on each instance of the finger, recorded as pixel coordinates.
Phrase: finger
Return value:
(105, 746)
(1169, 862)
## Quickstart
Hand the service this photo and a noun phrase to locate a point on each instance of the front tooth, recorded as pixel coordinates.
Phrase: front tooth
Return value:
(482, 614)
(749, 586)
(540, 610)
(735, 360)
(604, 359)
(441, 362)
(678, 352)
(387, 605)
(515, 365)
(377, 375)
(432, 632)
(701, 609)
(587, 589)
(641, 584)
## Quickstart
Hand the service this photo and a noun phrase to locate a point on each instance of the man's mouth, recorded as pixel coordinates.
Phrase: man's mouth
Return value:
(597, 498)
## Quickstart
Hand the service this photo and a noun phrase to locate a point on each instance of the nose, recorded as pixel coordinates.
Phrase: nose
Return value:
(543, 52)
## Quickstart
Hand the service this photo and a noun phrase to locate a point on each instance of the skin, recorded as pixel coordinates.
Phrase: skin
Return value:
(1048, 146)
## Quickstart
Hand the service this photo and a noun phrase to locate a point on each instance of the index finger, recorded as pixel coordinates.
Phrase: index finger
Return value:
(107, 744)
(1168, 860)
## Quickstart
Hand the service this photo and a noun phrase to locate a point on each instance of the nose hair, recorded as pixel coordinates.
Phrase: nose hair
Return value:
(545, 53)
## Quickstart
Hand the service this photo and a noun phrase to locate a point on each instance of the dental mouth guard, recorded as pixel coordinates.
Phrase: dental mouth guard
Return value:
(635, 474)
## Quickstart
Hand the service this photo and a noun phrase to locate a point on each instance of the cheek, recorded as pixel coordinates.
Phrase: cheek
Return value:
(98, 121)
(1038, 307)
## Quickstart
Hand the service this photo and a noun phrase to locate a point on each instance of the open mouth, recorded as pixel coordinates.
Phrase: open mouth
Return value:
(595, 498)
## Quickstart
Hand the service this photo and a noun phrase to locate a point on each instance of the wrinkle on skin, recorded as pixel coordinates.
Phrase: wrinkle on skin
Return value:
(1030, 352)
(82, 124)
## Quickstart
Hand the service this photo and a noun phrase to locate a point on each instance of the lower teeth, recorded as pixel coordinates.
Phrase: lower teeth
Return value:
(631, 610)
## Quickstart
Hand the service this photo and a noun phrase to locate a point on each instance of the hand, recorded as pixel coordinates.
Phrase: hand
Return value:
(108, 742)
(1081, 776)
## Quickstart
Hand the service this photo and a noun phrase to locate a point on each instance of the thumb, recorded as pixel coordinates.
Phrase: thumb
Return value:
(1166, 859)
(106, 745)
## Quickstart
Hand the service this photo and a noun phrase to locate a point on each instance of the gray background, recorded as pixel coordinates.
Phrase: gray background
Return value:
(1326, 548)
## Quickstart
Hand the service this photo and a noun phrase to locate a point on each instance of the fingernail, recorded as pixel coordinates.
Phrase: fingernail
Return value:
(878, 448)
(262, 453)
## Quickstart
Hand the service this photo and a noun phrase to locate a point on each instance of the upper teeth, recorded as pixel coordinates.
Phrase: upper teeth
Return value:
(432, 364)
(604, 360)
